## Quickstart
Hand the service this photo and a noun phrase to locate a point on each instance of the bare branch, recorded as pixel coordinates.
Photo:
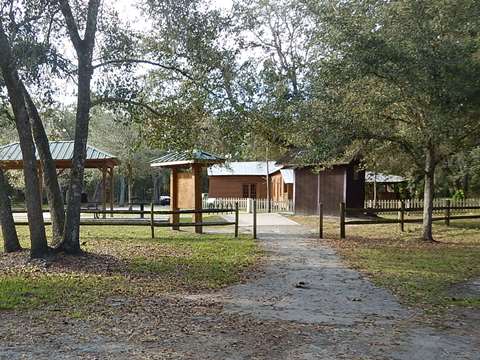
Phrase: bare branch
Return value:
(105, 100)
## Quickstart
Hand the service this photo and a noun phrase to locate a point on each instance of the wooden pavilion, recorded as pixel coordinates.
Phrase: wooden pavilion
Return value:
(186, 180)
(62, 154)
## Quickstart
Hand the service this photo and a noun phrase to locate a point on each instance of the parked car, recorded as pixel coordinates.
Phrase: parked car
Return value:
(165, 200)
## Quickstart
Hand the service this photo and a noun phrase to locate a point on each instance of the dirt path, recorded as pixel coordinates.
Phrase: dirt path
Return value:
(337, 314)
(365, 321)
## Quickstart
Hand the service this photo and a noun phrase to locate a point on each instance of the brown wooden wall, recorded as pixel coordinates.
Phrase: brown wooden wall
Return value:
(280, 191)
(307, 190)
(232, 186)
(338, 184)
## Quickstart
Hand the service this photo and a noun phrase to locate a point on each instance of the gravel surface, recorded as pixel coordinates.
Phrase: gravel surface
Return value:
(305, 304)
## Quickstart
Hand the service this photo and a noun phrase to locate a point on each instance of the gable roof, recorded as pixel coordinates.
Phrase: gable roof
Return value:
(245, 168)
(173, 158)
(371, 177)
(61, 151)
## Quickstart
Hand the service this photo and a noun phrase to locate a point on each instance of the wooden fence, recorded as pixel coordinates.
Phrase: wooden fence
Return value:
(458, 205)
(245, 204)
(143, 220)
(446, 211)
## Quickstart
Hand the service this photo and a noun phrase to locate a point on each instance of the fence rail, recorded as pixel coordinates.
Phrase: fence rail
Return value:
(447, 208)
(143, 221)
(413, 206)
(245, 204)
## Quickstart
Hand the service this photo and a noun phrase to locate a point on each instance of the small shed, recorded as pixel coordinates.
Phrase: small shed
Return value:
(186, 180)
(62, 154)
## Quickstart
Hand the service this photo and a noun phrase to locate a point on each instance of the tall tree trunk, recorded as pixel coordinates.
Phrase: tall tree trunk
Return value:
(54, 194)
(84, 51)
(10, 238)
(130, 185)
(38, 239)
(121, 198)
(71, 239)
(428, 194)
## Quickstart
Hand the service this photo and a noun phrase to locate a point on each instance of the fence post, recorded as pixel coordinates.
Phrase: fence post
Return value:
(142, 209)
(254, 218)
(342, 220)
(447, 212)
(402, 216)
(152, 223)
(236, 219)
(320, 220)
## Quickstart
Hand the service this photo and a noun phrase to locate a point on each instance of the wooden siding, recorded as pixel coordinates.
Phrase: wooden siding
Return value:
(279, 191)
(232, 186)
(331, 187)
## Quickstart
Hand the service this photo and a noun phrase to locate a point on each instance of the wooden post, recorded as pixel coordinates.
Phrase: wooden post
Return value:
(174, 218)
(447, 212)
(104, 192)
(320, 220)
(254, 218)
(112, 192)
(342, 220)
(236, 219)
(401, 215)
(152, 221)
(142, 209)
(197, 196)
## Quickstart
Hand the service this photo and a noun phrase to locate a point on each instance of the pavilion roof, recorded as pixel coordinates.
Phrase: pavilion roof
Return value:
(62, 154)
(180, 158)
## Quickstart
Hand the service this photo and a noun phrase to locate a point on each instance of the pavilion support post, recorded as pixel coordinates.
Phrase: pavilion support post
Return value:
(112, 191)
(104, 191)
(174, 218)
(197, 196)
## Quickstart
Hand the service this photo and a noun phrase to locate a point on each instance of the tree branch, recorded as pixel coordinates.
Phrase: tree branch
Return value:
(71, 25)
(105, 100)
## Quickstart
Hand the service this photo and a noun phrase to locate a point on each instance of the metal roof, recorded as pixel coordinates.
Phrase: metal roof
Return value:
(288, 176)
(61, 150)
(172, 158)
(371, 177)
(258, 168)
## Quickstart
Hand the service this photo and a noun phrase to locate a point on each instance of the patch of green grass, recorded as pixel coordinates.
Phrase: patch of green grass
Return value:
(202, 264)
(419, 273)
(124, 261)
(57, 291)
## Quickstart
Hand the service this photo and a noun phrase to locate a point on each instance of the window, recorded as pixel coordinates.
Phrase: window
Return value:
(249, 191)
(253, 191)
(245, 191)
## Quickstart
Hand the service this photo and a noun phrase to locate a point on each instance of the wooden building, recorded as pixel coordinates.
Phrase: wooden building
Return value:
(248, 179)
(340, 183)
(380, 186)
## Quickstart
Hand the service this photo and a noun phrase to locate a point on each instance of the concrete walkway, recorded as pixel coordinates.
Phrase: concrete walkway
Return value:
(263, 219)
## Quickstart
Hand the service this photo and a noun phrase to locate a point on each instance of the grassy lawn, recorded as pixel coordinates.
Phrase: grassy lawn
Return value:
(123, 262)
(419, 273)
